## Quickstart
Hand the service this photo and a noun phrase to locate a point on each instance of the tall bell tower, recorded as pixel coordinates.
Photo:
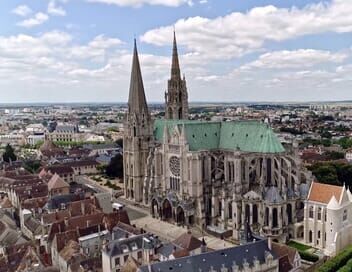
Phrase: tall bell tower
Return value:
(176, 97)
(137, 134)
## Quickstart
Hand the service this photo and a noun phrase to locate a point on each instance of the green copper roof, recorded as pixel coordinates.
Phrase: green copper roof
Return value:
(247, 136)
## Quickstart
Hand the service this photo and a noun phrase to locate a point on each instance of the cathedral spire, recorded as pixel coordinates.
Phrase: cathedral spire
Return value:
(175, 67)
(137, 102)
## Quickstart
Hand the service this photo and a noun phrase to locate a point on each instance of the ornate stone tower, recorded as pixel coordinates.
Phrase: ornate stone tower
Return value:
(137, 134)
(176, 97)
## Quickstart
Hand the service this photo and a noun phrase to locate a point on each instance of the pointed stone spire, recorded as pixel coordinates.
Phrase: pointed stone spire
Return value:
(175, 67)
(137, 102)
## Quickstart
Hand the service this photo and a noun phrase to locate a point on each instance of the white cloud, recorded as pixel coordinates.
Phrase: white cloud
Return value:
(55, 10)
(104, 42)
(139, 3)
(240, 33)
(295, 59)
(203, 2)
(22, 10)
(38, 19)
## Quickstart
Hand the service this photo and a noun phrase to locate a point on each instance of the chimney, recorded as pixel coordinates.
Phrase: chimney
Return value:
(88, 223)
(83, 208)
(66, 221)
(203, 247)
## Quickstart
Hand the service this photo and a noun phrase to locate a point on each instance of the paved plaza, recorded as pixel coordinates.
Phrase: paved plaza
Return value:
(167, 231)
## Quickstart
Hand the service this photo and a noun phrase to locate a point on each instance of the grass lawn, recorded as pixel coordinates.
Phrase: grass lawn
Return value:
(298, 246)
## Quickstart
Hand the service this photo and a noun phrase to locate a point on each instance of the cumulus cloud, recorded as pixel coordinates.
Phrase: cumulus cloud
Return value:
(295, 59)
(22, 10)
(139, 3)
(241, 33)
(38, 19)
(51, 54)
(55, 10)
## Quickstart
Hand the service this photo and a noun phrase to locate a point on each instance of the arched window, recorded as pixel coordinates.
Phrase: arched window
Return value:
(247, 213)
(319, 213)
(275, 219)
(230, 210)
(310, 236)
(255, 214)
(266, 216)
(344, 217)
(311, 212)
(289, 213)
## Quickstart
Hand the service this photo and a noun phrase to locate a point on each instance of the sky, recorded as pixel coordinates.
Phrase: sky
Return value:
(230, 50)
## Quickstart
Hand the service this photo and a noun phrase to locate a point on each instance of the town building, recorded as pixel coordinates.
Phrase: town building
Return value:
(255, 256)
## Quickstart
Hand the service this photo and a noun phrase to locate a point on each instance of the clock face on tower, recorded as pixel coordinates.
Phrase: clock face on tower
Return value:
(174, 165)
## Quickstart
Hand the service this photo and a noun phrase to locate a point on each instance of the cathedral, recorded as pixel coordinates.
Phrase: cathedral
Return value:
(218, 176)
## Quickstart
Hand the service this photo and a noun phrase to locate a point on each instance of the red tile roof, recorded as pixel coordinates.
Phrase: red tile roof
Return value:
(322, 193)
(188, 241)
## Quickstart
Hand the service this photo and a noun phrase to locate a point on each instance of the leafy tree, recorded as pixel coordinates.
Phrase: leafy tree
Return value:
(119, 142)
(115, 167)
(32, 166)
(334, 155)
(9, 154)
(325, 173)
(326, 142)
(333, 173)
(326, 134)
(345, 142)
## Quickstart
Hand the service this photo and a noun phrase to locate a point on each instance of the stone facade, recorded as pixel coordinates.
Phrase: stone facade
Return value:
(328, 218)
(217, 175)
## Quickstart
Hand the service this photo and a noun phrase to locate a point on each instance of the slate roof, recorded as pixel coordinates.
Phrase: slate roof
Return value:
(55, 201)
(273, 195)
(133, 243)
(247, 136)
(33, 225)
(216, 259)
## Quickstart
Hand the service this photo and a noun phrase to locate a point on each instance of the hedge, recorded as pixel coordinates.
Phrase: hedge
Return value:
(308, 256)
(347, 267)
(337, 262)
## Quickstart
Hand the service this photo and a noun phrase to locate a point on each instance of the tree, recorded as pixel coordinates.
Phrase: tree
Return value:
(32, 166)
(119, 142)
(9, 154)
(334, 155)
(115, 167)
(325, 173)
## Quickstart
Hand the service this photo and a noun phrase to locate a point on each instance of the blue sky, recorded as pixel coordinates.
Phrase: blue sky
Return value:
(240, 50)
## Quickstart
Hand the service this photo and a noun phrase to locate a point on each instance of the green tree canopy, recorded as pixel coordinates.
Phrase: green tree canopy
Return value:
(115, 167)
(9, 154)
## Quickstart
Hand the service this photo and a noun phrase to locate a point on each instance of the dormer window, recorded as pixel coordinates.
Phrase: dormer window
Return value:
(124, 248)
